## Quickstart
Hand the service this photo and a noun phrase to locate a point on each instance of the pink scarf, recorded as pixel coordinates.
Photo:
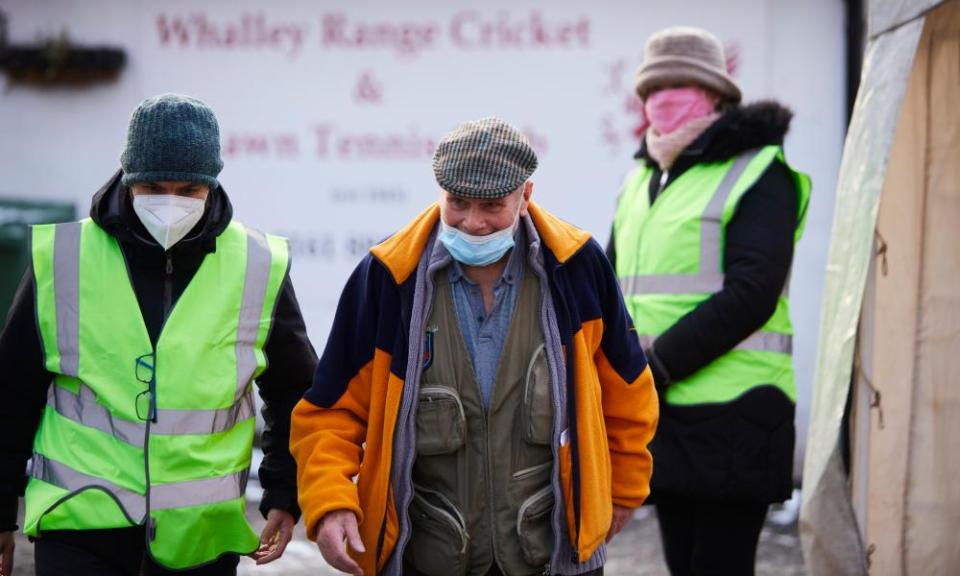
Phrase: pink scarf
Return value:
(664, 148)
(677, 116)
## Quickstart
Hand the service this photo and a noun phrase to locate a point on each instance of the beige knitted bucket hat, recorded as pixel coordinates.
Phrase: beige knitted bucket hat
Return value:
(683, 55)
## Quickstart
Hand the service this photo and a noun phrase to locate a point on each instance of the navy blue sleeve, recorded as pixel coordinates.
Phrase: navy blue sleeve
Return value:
(368, 317)
(620, 343)
(598, 296)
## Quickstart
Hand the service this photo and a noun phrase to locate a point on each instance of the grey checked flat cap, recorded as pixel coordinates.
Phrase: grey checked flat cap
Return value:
(487, 158)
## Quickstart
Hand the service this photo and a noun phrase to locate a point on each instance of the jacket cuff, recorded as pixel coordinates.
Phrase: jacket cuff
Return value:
(8, 513)
(282, 500)
(632, 503)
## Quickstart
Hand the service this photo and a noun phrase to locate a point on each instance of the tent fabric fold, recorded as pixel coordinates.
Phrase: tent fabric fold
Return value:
(828, 525)
(890, 323)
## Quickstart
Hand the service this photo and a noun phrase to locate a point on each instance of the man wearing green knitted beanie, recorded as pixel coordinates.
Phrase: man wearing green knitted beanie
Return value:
(132, 347)
(171, 163)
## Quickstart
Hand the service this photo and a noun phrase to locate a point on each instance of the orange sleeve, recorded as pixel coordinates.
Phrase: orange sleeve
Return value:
(630, 414)
(327, 444)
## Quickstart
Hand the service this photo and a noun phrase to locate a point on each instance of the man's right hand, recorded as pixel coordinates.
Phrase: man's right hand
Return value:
(6, 553)
(335, 528)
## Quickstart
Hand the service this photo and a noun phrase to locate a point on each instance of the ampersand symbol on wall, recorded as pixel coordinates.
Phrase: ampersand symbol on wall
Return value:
(368, 90)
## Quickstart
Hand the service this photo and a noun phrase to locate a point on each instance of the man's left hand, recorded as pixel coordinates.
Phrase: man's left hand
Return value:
(275, 536)
(621, 515)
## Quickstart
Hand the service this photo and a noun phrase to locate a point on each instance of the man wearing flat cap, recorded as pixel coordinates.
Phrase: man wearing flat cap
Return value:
(483, 406)
(129, 356)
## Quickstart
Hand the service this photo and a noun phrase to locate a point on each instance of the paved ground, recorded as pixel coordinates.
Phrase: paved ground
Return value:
(635, 552)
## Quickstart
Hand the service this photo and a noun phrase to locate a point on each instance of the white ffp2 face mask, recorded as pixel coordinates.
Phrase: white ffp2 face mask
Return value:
(166, 217)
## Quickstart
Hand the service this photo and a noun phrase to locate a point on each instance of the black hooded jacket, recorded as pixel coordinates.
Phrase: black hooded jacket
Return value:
(742, 450)
(158, 278)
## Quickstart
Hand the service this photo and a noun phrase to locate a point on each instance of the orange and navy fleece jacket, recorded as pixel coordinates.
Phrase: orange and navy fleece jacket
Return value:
(343, 430)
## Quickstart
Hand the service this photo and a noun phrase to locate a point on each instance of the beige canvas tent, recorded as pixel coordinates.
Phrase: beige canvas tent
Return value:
(882, 470)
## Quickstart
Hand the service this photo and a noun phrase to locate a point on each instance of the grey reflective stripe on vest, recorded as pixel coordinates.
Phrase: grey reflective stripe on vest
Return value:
(66, 288)
(162, 497)
(768, 342)
(84, 409)
(67, 478)
(710, 277)
(197, 492)
(254, 293)
(204, 421)
(759, 341)
(703, 283)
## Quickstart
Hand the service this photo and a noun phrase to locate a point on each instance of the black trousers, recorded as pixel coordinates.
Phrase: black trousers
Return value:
(494, 571)
(703, 538)
(113, 552)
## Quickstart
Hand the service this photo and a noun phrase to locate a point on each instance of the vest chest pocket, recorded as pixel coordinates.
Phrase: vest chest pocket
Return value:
(439, 544)
(441, 422)
(537, 406)
(534, 527)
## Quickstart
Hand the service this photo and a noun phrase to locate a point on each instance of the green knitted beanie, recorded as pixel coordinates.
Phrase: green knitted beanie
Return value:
(172, 138)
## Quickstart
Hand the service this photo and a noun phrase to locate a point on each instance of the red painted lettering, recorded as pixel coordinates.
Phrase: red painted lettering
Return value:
(322, 133)
(172, 31)
(463, 29)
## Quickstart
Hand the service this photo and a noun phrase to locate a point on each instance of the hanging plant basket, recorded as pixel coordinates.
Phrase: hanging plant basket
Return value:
(57, 61)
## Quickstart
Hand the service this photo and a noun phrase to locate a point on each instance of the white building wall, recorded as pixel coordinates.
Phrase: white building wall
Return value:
(329, 110)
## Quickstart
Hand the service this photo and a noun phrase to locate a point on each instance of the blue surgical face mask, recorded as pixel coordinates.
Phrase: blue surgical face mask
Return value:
(477, 250)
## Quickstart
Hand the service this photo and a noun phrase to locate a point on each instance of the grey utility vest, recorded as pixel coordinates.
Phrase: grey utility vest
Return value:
(482, 491)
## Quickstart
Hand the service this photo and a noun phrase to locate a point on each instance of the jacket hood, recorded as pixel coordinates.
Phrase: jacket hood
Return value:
(112, 210)
(401, 252)
(742, 128)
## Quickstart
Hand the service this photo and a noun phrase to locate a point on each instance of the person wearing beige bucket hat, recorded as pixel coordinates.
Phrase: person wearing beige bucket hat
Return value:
(683, 55)
(702, 245)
